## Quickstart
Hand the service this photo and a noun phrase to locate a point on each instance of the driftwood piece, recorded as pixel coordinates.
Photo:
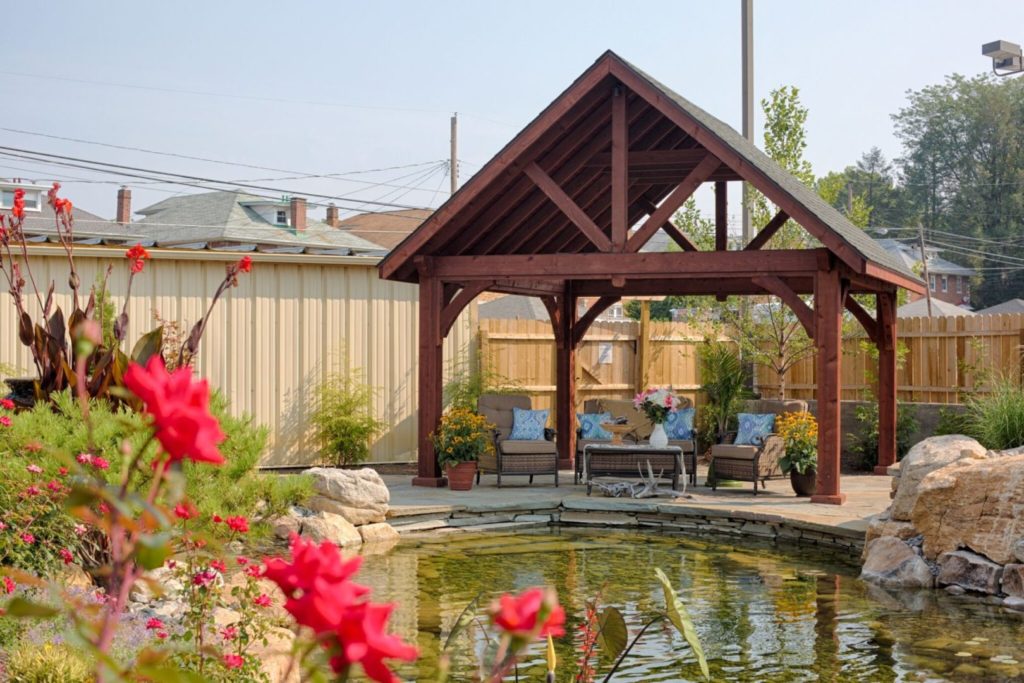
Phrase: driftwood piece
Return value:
(647, 488)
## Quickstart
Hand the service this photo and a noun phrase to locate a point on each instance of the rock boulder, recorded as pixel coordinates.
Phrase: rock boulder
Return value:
(974, 504)
(1013, 580)
(357, 516)
(925, 457)
(377, 533)
(971, 571)
(890, 562)
(362, 489)
(327, 526)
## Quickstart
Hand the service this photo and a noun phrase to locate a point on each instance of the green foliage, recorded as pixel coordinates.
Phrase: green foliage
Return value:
(105, 312)
(996, 419)
(469, 378)
(770, 335)
(462, 436)
(953, 421)
(865, 439)
(48, 663)
(680, 617)
(343, 418)
(724, 383)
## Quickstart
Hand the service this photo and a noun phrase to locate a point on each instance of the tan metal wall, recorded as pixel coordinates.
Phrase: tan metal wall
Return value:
(272, 338)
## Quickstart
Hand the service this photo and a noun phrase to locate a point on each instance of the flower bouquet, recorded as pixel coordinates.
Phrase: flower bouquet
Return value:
(657, 404)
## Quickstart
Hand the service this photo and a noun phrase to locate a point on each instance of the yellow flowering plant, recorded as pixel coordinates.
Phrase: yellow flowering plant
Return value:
(799, 431)
(462, 436)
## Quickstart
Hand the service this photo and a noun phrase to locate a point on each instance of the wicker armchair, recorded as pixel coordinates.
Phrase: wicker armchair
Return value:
(754, 463)
(514, 457)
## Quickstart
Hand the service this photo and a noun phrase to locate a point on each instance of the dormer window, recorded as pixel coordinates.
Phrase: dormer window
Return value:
(31, 199)
(282, 217)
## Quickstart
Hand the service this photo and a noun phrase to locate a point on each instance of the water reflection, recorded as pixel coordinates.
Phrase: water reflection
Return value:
(763, 614)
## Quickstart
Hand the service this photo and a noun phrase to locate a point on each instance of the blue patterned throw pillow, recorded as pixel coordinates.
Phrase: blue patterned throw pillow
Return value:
(679, 424)
(754, 427)
(528, 425)
(590, 426)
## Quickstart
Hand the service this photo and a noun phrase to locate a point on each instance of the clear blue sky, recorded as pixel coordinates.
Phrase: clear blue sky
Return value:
(404, 66)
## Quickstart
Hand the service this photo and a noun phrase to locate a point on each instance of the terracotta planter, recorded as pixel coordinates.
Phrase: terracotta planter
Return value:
(804, 484)
(460, 477)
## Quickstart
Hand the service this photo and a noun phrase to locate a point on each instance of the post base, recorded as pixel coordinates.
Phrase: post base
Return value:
(565, 464)
(827, 499)
(430, 482)
(881, 469)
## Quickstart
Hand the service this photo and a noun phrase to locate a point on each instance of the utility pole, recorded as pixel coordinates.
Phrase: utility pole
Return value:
(454, 162)
(924, 263)
(747, 52)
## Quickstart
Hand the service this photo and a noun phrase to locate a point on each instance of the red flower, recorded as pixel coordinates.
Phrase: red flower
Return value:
(66, 555)
(534, 613)
(321, 596)
(218, 565)
(100, 463)
(242, 560)
(245, 264)
(5, 421)
(180, 408)
(229, 633)
(162, 635)
(28, 538)
(18, 210)
(154, 624)
(84, 458)
(9, 585)
(63, 471)
(32, 491)
(254, 570)
(6, 403)
(239, 524)
(185, 510)
(217, 519)
(262, 600)
(54, 486)
(203, 578)
(233, 661)
(138, 256)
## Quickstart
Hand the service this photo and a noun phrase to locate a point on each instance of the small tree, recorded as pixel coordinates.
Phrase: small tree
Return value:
(772, 336)
(344, 418)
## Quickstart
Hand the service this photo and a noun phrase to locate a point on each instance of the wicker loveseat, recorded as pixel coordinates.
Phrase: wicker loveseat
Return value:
(514, 457)
(758, 462)
(642, 429)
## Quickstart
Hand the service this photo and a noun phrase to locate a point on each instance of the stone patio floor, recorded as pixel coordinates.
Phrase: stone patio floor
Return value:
(866, 496)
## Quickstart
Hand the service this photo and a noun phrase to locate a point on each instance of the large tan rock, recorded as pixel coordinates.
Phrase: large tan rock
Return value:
(975, 504)
(362, 489)
(378, 533)
(890, 562)
(276, 656)
(327, 526)
(357, 516)
(884, 526)
(926, 457)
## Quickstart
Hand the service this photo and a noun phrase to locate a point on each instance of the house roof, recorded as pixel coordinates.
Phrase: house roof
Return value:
(386, 228)
(501, 210)
(1011, 306)
(911, 256)
(919, 309)
(513, 307)
(228, 217)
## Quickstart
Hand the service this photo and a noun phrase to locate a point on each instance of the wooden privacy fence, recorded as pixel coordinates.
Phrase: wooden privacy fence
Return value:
(945, 359)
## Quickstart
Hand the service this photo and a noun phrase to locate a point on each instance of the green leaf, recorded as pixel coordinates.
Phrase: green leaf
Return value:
(148, 345)
(22, 608)
(613, 635)
(152, 551)
(463, 620)
(680, 618)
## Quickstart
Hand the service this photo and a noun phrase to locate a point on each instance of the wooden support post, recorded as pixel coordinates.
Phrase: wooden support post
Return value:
(886, 341)
(721, 216)
(643, 348)
(828, 309)
(430, 380)
(565, 380)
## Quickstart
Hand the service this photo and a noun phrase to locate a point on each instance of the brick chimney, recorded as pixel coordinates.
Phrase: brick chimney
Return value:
(332, 216)
(124, 206)
(298, 211)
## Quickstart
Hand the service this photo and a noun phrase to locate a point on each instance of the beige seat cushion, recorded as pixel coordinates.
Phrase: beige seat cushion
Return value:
(528, 446)
(724, 450)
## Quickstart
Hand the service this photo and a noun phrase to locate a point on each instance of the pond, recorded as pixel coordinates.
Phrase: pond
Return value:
(763, 613)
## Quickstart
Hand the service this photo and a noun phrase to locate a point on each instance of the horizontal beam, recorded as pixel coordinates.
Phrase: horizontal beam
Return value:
(601, 266)
(676, 287)
(527, 288)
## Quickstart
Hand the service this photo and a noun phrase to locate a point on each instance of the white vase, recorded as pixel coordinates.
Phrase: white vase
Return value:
(659, 439)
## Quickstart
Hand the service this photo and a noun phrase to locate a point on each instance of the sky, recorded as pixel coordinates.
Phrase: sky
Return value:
(317, 88)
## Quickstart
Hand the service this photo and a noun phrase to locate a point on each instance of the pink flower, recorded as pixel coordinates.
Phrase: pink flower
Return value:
(84, 458)
(100, 463)
(34, 469)
(54, 486)
(242, 560)
(218, 565)
(229, 633)
(33, 447)
(32, 491)
(3, 525)
(6, 404)
(66, 555)
(262, 600)
(80, 529)
(5, 421)
(162, 635)
(204, 578)
(254, 570)
(233, 661)
(154, 624)
(9, 585)
(28, 538)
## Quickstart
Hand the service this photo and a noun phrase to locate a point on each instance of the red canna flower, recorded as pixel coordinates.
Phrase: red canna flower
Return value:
(18, 209)
(245, 264)
(534, 613)
(180, 408)
(234, 661)
(138, 257)
(239, 524)
(321, 596)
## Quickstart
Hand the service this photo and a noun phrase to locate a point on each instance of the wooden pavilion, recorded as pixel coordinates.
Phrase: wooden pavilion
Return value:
(562, 212)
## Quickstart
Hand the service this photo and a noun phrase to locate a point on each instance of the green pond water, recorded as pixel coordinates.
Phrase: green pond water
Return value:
(763, 613)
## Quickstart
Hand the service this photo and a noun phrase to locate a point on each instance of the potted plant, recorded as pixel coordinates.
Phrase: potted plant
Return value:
(799, 431)
(460, 440)
(656, 405)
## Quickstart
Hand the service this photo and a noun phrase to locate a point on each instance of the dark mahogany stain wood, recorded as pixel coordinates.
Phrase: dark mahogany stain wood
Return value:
(671, 204)
(570, 208)
(721, 216)
(803, 312)
(828, 302)
(886, 341)
(768, 231)
(620, 169)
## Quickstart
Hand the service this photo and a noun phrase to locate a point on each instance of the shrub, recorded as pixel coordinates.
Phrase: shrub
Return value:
(996, 419)
(469, 378)
(865, 440)
(952, 421)
(462, 436)
(344, 420)
(48, 664)
(800, 433)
